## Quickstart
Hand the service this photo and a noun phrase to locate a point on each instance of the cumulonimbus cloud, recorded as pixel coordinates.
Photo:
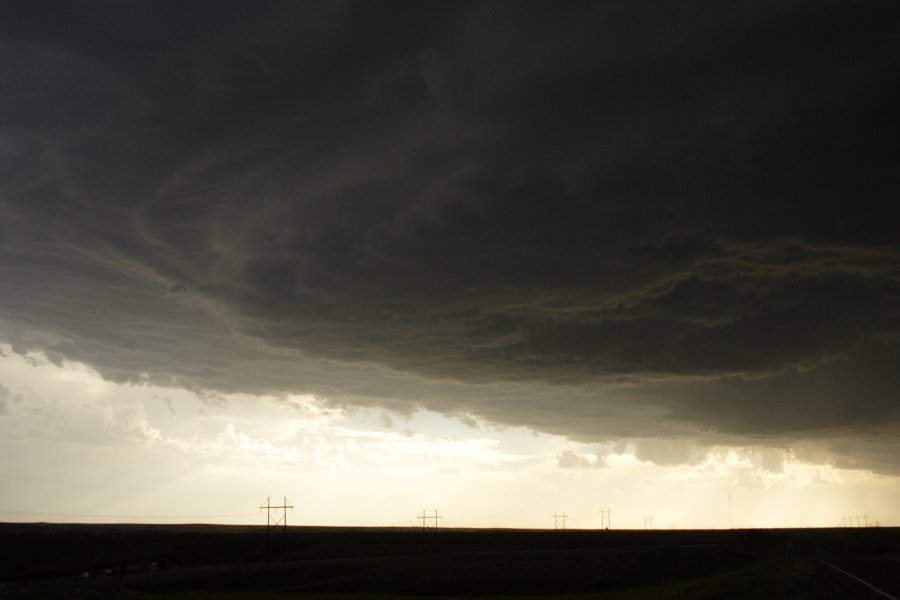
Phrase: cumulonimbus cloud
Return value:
(596, 220)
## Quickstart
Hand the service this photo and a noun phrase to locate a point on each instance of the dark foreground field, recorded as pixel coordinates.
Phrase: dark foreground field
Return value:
(145, 561)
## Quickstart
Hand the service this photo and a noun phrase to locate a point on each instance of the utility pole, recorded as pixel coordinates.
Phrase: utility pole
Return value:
(273, 519)
(559, 518)
(425, 518)
(648, 519)
(268, 520)
(730, 526)
(605, 519)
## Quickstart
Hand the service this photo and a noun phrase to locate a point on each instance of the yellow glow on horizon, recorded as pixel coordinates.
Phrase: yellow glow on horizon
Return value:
(138, 452)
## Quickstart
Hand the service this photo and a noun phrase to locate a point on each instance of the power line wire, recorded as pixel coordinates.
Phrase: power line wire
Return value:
(124, 488)
(30, 513)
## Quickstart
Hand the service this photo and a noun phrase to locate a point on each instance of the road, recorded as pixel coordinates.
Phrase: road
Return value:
(862, 577)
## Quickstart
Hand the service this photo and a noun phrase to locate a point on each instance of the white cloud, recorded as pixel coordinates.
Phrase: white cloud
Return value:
(326, 457)
(83, 418)
(569, 459)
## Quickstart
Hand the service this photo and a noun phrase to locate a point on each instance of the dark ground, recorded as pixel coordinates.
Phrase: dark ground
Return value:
(109, 561)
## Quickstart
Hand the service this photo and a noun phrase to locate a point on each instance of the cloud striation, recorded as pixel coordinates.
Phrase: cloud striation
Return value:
(602, 219)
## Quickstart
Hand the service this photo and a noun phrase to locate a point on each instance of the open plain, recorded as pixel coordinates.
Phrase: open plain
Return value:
(236, 562)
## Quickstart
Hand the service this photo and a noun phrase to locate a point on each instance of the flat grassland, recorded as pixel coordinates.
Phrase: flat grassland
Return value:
(224, 562)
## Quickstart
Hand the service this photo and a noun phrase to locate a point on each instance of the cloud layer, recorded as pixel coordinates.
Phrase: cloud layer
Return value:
(605, 221)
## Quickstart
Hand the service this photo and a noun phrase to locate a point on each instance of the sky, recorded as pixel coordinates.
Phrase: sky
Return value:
(495, 259)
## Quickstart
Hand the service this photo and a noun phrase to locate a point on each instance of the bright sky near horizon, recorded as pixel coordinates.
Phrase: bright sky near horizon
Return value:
(76, 448)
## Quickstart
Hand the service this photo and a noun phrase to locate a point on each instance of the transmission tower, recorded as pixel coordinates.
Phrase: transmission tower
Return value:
(605, 518)
(559, 521)
(648, 521)
(273, 519)
(425, 518)
(730, 526)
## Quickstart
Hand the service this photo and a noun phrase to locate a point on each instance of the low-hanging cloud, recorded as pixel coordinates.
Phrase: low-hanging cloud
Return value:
(599, 220)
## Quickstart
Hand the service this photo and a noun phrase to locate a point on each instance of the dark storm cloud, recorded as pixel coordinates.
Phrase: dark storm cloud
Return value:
(569, 218)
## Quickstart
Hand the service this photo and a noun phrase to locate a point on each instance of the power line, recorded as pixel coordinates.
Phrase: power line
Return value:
(31, 513)
(124, 488)
(730, 526)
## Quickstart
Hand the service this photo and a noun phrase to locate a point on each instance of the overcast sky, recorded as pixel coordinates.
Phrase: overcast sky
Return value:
(591, 245)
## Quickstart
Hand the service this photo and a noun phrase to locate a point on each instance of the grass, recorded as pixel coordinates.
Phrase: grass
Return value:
(369, 564)
(777, 578)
